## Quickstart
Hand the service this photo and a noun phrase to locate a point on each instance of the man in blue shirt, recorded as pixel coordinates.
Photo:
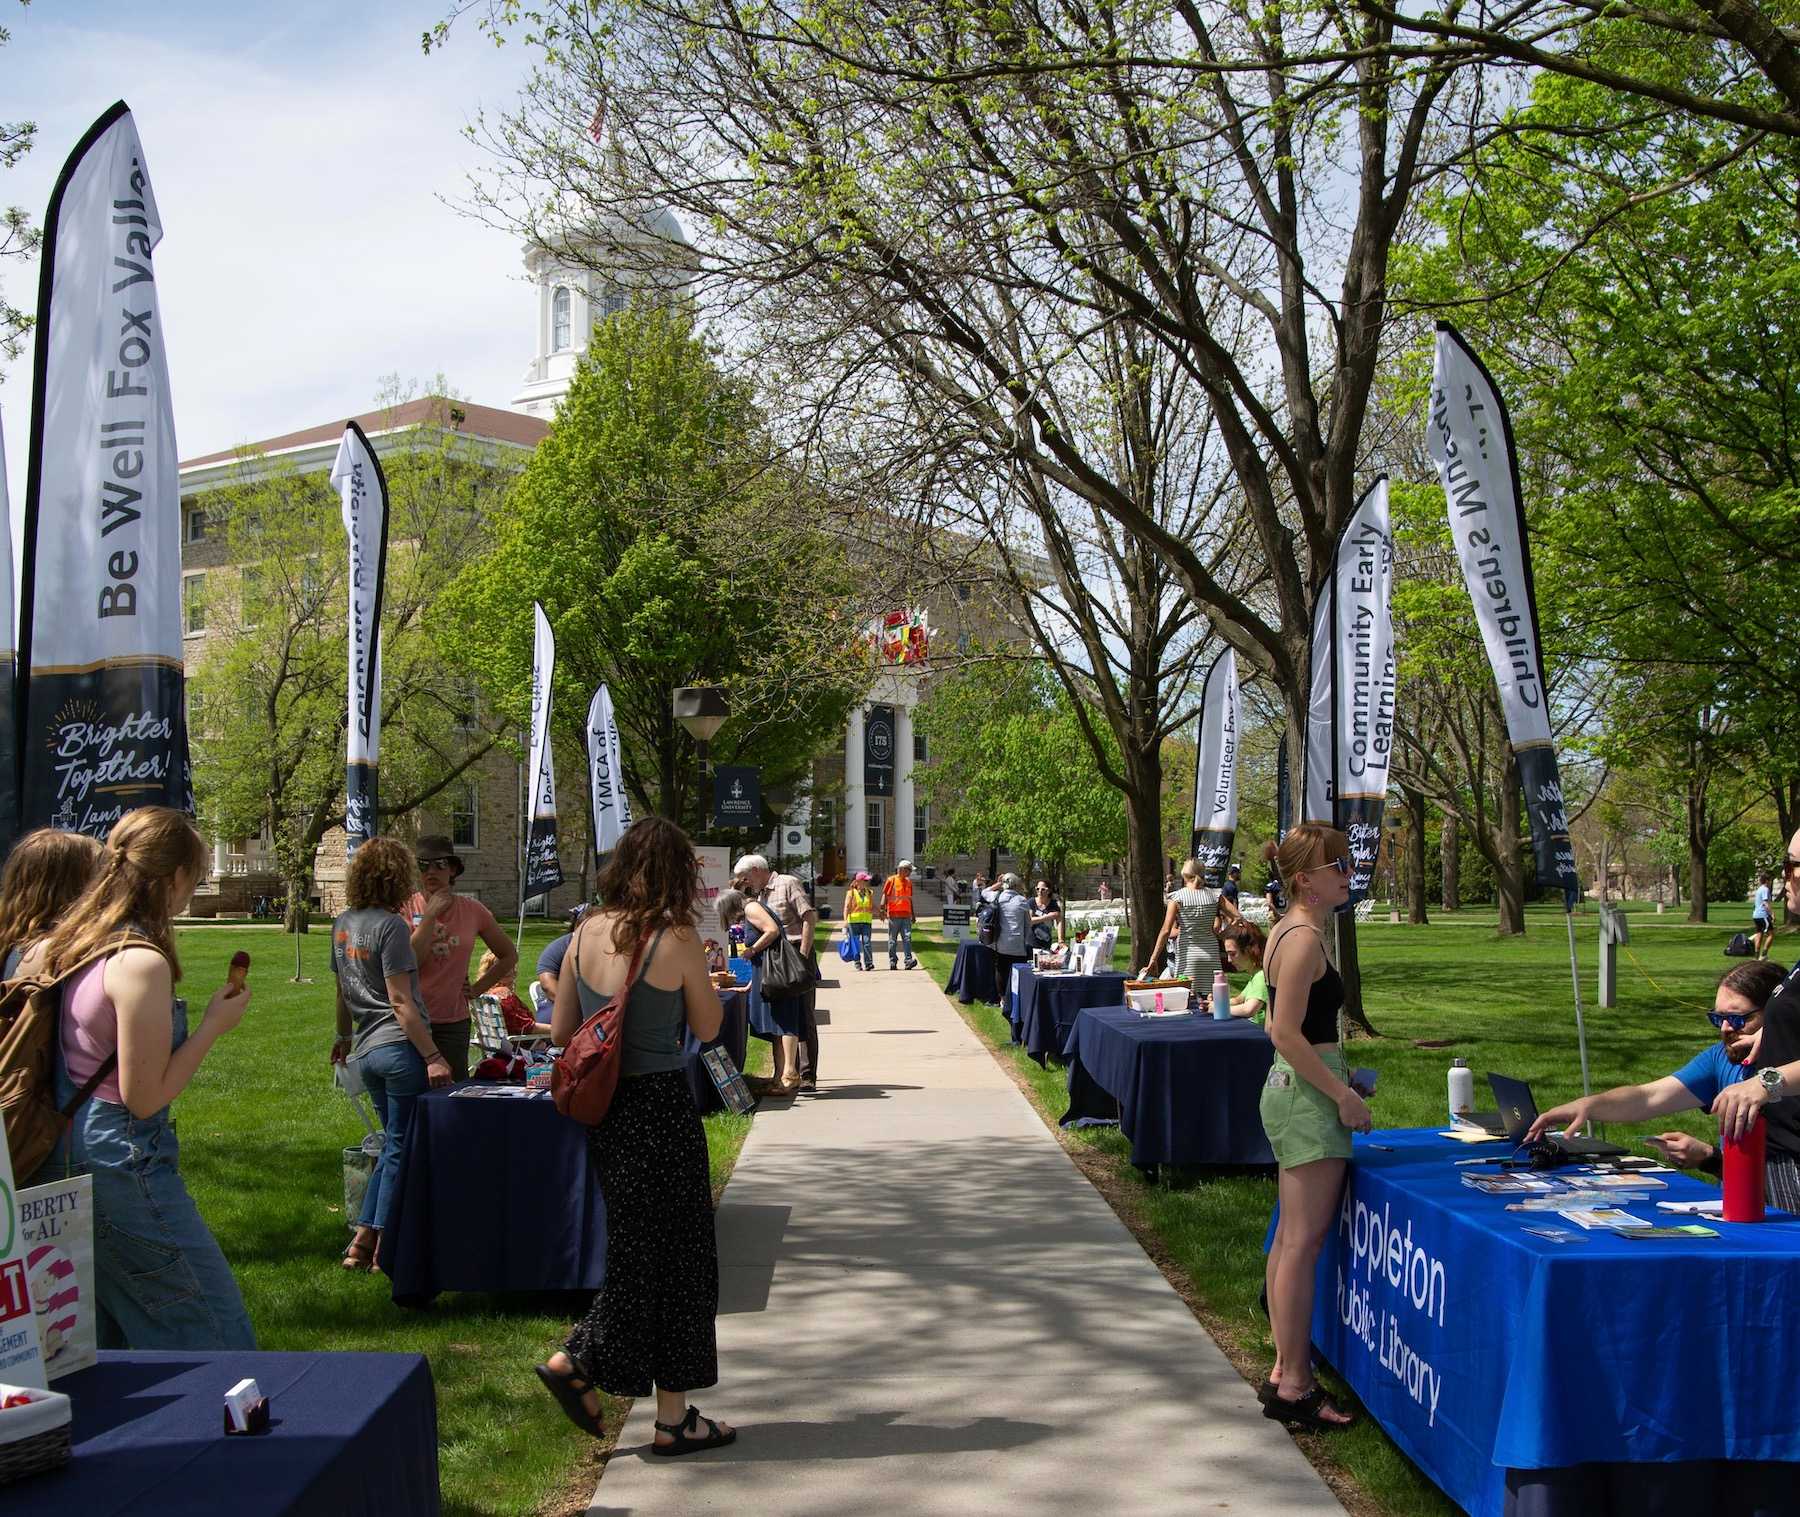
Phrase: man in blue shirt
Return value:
(1738, 1014)
(1762, 916)
(1233, 880)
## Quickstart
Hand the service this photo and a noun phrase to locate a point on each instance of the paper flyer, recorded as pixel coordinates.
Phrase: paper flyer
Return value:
(21, 1362)
(56, 1226)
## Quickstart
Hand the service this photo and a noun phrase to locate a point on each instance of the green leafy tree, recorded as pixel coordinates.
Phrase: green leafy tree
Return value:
(18, 238)
(668, 548)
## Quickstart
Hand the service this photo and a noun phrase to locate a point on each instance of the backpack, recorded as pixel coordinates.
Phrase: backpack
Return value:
(586, 1074)
(1740, 947)
(30, 1029)
(987, 923)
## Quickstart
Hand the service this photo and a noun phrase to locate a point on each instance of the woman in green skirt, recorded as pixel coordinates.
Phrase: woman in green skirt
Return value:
(1309, 1111)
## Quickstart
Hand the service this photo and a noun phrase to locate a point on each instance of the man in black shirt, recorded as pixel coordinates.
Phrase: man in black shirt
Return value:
(1233, 878)
(1770, 1092)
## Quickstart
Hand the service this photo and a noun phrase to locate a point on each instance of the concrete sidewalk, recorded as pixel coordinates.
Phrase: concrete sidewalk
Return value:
(925, 1308)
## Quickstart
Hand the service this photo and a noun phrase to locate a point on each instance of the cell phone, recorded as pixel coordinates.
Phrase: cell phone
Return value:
(1362, 1081)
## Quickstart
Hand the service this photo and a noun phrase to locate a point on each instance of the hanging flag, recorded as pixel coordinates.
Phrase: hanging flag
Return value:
(543, 869)
(1350, 731)
(1470, 438)
(609, 806)
(103, 729)
(1215, 770)
(362, 488)
(9, 729)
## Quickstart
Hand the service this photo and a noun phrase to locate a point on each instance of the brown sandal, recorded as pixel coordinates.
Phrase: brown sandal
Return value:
(360, 1256)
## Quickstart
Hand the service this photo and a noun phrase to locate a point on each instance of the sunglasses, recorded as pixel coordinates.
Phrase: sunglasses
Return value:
(1733, 1019)
(446, 862)
(1790, 865)
(1341, 864)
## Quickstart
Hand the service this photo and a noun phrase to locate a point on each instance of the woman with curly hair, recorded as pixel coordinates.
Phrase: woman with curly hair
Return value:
(652, 1323)
(45, 873)
(161, 1280)
(381, 1026)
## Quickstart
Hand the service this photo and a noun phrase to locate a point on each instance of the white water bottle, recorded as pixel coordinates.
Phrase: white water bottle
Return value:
(1221, 997)
(1462, 1090)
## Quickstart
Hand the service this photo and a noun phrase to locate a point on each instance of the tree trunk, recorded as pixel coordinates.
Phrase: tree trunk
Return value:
(1447, 845)
(1696, 842)
(295, 917)
(1414, 801)
(1509, 869)
(1143, 862)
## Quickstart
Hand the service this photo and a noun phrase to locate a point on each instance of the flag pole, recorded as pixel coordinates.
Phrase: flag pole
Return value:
(1575, 980)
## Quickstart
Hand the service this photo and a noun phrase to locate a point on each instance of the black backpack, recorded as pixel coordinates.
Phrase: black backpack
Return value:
(1740, 947)
(987, 923)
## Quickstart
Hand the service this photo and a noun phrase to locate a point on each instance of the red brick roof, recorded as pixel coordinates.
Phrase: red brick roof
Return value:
(433, 410)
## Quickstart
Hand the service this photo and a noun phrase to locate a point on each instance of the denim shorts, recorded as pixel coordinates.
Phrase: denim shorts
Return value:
(1300, 1119)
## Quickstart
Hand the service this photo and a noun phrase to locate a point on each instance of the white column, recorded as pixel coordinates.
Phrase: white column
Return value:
(220, 853)
(856, 816)
(903, 786)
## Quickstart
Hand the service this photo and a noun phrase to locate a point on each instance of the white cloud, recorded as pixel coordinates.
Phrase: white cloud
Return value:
(298, 165)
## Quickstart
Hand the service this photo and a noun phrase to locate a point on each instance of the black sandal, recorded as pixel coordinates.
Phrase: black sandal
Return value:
(683, 1444)
(1304, 1415)
(568, 1390)
(1268, 1391)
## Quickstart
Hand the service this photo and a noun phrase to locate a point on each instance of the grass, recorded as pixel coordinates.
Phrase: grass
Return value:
(1506, 1005)
(262, 1133)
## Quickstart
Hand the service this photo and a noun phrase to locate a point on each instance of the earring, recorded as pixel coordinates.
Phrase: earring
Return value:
(1312, 898)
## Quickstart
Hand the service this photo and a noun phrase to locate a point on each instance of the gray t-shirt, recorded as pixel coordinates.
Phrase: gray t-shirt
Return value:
(1015, 923)
(367, 946)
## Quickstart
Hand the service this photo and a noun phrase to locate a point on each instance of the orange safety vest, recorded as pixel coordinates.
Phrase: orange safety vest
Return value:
(896, 895)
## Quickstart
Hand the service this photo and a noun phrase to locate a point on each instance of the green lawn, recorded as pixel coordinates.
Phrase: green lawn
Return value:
(262, 1131)
(1507, 1006)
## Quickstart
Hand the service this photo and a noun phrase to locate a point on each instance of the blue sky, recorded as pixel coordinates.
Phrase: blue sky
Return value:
(300, 154)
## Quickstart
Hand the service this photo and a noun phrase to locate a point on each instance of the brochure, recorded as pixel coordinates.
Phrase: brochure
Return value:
(499, 1092)
(1682, 1230)
(1714, 1208)
(1473, 1135)
(1608, 1217)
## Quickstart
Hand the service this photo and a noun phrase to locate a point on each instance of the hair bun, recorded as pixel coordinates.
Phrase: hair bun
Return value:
(1269, 850)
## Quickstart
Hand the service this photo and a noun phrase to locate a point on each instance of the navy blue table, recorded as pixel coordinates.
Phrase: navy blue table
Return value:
(734, 1038)
(495, 1194)
(972, 976)
(1186, 1088)
(1527, 1377)
(352, 1435)
(1048, 1004)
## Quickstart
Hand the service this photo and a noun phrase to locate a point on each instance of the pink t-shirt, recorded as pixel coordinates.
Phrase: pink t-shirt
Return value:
(444, 961)
(90, 1031)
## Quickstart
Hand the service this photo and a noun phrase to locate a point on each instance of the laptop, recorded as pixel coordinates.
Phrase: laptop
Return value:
(1519, 1111)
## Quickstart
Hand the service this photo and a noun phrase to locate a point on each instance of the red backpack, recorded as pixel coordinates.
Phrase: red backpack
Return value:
(586, 1074)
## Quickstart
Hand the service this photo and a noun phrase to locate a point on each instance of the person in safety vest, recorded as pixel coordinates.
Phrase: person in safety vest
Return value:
(859, 916)
(897, 906)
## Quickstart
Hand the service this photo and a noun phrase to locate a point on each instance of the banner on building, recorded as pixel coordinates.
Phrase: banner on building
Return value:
(362, 491)
(9, 727)
(737, 796)
(1470, 438)
(102, 729)
(878, 751)
(1215, 770)
(543, 867)
(56, 1230)
(609, 808)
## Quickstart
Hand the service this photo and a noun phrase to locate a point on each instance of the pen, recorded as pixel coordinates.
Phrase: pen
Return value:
(1379, 1147)
(1478, 1161)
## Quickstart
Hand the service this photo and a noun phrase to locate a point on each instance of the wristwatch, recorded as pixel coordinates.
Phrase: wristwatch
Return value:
(1772, 1083)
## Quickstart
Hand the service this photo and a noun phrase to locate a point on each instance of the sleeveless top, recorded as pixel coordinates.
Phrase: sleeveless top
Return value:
(1196, 909)
(655, 1020)
(1323, 1002)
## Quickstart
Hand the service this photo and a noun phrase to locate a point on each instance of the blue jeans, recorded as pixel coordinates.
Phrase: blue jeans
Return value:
(862, 934)
(394, 1075)
(899, 932)
(160, 1279)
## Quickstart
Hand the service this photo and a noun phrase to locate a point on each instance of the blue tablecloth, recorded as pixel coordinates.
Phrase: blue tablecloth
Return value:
(734, 1038)
(1047, 1005)
(1488, 1353)
(972, 975)
(352, 1435)
(495, 1194)
(1187, 1088)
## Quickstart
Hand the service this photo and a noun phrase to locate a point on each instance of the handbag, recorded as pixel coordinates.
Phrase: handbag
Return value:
(847, 949)
(786, 971)
(586, 1074)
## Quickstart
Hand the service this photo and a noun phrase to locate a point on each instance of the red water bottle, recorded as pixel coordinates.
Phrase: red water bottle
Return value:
(1744, 1174)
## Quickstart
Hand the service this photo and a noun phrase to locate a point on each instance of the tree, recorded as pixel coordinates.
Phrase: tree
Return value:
(668, 548)
(18, 238)
(269, 708)
(1010, 763)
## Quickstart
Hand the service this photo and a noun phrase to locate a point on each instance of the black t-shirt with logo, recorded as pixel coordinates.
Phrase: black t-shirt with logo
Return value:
(1781, 1045)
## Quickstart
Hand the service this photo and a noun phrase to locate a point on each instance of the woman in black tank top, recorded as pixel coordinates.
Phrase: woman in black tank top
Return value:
(1309, 1111)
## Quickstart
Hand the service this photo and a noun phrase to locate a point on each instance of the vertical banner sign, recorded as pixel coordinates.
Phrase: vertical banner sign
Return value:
(9, 727)
(878, 751)
(362, 489)
(102, 730)
(737, 796)
(543, 869)
(21, 1361)
(1362, 680)
(1470, 438)
(1215, 770)
(1284, 790)
(56, 1227)
(609, 809)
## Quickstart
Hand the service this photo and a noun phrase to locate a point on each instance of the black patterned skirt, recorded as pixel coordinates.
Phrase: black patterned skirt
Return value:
(652, 1322)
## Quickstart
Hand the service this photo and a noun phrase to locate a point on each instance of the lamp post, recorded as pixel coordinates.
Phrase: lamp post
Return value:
(701, 710)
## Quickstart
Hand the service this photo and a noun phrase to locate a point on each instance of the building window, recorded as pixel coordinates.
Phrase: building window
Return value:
(193, 603)
(466, 700)
(921, 829)
(196, 524)
(250, 595)
(825, 822)
(465, 818)
(312, 588)
(611, 302)
(559, 320)
(196, 710)
(919, 755)
(964, 592)
(875, 839)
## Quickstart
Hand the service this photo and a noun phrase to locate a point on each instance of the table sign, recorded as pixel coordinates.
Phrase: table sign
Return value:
(956, 923)
(21, 1361)
(56, 1223)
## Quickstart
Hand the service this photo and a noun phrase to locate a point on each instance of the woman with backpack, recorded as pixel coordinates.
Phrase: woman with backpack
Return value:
(652, 1323)
(45, 873)
(161, 1280)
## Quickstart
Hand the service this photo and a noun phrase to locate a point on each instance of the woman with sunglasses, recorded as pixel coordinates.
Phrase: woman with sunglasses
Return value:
(1738, 1015)
(1309, 1110)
